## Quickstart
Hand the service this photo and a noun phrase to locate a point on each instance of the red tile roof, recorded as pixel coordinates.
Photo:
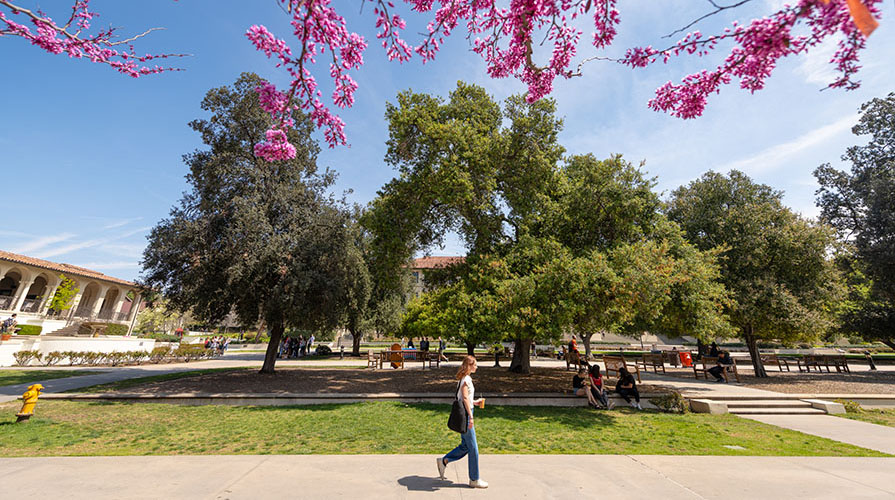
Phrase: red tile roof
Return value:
(434, 262)
(67, 269)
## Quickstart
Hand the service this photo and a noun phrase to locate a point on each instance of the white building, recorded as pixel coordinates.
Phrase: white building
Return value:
(27, 285)
(420, 266)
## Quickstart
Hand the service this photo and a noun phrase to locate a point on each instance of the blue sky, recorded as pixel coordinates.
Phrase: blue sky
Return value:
(92, 160)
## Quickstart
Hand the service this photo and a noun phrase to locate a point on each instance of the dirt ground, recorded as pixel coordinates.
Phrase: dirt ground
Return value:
(793, 382)
(360, 380)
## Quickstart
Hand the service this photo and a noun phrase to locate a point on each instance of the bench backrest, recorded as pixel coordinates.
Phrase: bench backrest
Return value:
(654, 359)
(769, 358)
(613, 363)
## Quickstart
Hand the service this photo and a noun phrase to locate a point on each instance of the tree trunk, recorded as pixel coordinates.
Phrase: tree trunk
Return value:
(751, 342)
(521, 362)
(700, 348)
(355, 342)
(585, 339)
(258, 333)
(890, 343)
(270, 358)
(470, 348)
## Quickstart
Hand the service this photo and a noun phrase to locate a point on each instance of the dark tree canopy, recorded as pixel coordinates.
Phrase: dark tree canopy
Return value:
(775, 264)
(261, 239)
(861, 205)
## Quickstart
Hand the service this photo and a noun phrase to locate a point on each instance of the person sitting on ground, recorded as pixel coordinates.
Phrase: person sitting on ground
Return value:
(719, 371)
(597, 389)
(626, 387)
(581, 387)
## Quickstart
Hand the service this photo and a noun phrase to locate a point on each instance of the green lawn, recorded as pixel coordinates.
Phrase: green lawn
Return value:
(81, 428)
(15, 377)
(880, 417)
(131, 382)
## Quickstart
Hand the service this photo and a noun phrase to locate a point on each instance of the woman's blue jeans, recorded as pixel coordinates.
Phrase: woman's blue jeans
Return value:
(468, 446)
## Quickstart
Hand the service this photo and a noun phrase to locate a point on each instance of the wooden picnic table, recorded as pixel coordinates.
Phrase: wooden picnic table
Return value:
(426, 357)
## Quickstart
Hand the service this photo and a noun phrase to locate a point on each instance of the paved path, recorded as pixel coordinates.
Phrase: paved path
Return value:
(414, 476)
(864, 434)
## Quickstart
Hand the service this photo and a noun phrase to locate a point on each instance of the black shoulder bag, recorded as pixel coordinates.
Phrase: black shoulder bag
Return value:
(458, 422)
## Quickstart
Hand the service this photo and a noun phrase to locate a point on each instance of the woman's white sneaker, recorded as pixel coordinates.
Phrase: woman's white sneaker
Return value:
(441, 467)
(478, 483)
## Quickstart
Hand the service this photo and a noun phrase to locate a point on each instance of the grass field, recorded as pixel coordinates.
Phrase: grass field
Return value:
(80, 428)
(879, 417)
(15, 377)
(131, 382)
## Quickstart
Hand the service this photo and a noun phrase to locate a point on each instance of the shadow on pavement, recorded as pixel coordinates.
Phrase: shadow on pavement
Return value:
(431, 484)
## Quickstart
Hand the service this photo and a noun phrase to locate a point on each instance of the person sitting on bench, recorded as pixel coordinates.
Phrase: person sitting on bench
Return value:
(718, 371)
(581, 387)
(626, 387)
(596, 387)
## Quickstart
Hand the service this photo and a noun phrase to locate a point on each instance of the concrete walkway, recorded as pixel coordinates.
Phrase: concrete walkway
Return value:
(414, 476)
(863, 434)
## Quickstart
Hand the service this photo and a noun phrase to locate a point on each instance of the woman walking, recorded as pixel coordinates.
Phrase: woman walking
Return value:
(468, 444)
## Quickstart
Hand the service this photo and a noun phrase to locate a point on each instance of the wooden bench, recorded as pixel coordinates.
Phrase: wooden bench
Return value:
(574, 359)
(809, 361)
(432, 358)
(673, 358)
(768, 359)
(372, 359)
(837, 361)
(615, 363)
(654, 361)
(709, 362)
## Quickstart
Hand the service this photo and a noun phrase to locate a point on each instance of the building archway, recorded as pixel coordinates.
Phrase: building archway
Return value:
(8, 287)
(35, 294)
(109, 301)
(88, 300)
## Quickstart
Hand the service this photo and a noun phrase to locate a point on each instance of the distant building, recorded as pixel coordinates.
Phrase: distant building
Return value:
(420, 266)
(28, 284)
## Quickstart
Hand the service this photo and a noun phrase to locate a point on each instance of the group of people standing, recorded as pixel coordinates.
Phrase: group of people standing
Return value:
(219, 344)
(295, 347)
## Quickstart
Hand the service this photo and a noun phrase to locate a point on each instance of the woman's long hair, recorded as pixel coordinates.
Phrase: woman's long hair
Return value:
(466, 367)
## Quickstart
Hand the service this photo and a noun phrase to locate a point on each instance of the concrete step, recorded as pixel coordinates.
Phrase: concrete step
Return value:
(776, 411)
(768, 403)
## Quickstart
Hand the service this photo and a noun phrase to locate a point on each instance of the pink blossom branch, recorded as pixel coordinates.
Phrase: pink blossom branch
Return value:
(97, 48)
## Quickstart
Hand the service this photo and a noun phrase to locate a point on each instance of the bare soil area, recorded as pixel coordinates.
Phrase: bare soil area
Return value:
(879, 382)
(329, 380)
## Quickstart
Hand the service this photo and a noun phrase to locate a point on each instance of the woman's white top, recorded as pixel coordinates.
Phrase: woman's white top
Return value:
(467, 381)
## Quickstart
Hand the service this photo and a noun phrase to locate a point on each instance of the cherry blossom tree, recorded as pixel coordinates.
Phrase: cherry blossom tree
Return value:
(534, 41)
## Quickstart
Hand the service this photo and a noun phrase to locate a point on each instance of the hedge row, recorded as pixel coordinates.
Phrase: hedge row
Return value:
(157, 355)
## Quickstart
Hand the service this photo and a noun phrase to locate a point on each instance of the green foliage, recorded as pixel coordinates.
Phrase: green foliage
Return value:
(116, 329)
(774, 263)
(29, 330)
(673, 402)
(861, 205)
(25, 357)
(159, 353)
(850, 406)
(263, 240)
(65, 294)
(51, 358)
(160, 318)
(161, 337)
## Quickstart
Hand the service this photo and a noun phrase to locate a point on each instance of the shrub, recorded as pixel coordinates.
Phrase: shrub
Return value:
(25, 357)
(115, 358)
(850, 406)
(29, 330)
(190, 352)
(91, 358)
(74, 357)
(51, 358)
(116, 329)
(159, 353)
(673, 402)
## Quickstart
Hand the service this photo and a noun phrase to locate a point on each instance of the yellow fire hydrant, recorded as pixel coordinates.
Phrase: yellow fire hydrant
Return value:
(29, 399)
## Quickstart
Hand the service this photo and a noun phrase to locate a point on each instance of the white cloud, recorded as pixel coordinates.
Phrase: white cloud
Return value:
(816, 67)
(40, 242)
(111, 265)
(775, 156)
(121, 223)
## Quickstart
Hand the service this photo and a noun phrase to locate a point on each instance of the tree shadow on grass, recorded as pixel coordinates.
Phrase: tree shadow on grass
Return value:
(428, 484)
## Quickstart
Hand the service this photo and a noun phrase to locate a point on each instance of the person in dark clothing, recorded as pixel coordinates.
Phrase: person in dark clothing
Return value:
(424, 344)
(719, 371)
(714, 351)
(597, 389)
(626, 387)
(410, 343)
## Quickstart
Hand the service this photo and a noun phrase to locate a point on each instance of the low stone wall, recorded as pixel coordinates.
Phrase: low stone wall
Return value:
(48, 343)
